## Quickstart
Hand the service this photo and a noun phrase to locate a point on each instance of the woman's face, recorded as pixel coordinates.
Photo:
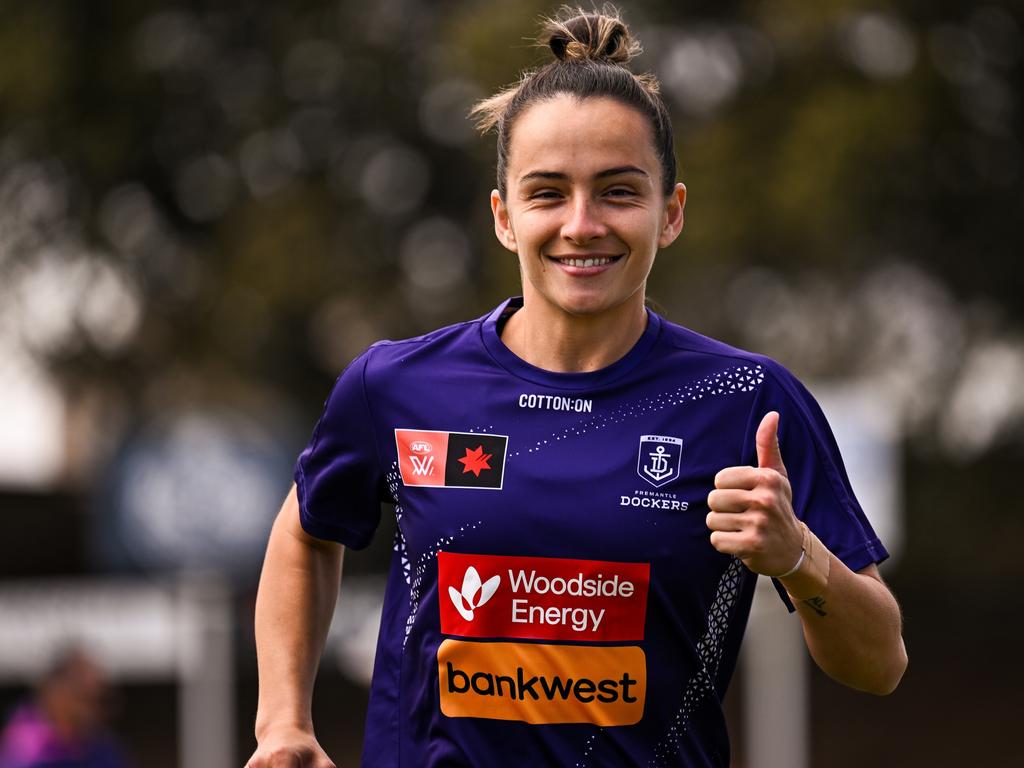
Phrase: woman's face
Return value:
(584, 210)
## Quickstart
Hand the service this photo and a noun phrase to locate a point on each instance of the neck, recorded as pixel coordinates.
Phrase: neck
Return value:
(551, 339)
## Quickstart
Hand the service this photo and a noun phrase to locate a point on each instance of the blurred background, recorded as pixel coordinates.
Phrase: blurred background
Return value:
(208, 208)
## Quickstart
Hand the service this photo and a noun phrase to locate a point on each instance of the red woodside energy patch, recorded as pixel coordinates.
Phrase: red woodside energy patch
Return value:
(541, 598)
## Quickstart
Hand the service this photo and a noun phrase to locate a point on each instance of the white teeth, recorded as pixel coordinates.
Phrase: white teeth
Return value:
(587, 262)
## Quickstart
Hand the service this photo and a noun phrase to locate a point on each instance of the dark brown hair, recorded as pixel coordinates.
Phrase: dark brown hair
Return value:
(591, 49)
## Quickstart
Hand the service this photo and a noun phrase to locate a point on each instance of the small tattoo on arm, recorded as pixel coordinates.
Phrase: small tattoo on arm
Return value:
(816, 604)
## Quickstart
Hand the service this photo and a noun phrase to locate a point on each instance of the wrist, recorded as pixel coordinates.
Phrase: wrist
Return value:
(795, 568)
(809, 578)
(266, 726)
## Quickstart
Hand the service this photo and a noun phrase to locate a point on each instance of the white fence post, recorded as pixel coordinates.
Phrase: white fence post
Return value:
(206, 695)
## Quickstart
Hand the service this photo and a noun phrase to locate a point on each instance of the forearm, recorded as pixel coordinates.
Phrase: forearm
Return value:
(294, 606)
(853, 628)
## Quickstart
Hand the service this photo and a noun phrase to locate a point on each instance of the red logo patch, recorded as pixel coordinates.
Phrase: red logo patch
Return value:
(543, 598)
(422, 456)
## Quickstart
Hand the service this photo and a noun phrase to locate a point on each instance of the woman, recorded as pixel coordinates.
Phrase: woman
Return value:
(585, 492)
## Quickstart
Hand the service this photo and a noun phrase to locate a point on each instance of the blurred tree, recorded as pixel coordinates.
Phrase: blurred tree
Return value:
(210, 198)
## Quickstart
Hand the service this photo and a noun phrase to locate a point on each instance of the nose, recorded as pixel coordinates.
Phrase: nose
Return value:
(584, 222)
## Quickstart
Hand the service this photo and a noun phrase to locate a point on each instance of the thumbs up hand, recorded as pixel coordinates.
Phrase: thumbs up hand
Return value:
(751, 513)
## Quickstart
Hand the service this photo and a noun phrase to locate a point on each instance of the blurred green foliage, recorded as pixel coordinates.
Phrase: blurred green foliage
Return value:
(277, 185)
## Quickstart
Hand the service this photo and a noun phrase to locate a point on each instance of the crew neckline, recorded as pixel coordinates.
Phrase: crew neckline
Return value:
(578, 380)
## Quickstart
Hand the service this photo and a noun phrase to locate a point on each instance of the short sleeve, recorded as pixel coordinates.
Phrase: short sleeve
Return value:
(338, 476)
(822, 495)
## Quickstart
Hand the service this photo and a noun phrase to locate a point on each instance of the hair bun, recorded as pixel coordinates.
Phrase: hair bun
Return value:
(577, 35)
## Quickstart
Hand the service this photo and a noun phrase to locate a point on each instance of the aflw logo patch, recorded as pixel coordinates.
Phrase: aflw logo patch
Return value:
(451, 459)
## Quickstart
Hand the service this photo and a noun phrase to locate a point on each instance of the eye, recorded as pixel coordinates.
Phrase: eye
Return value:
(545, 194)
(620, 192)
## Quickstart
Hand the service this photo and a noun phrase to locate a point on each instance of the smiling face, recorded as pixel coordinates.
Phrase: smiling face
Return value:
(584, 210)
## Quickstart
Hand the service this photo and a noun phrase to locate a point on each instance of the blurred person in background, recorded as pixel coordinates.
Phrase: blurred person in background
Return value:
(530, 523)
(63, 725)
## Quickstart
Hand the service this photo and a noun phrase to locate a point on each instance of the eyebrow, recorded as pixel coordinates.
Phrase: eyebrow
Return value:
(617, 171)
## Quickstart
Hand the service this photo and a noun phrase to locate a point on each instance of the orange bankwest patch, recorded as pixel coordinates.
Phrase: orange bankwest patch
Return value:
(539, 684)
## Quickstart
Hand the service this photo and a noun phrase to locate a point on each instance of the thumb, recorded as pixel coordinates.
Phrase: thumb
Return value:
(769, 456)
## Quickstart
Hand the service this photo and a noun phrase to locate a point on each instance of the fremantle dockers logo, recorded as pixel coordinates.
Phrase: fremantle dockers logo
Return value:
(658, 462)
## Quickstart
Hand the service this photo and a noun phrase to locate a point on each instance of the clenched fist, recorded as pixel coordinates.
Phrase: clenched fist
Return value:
(289, 748)
(751, 513)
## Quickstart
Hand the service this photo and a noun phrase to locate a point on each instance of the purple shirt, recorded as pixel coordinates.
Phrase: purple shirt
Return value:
(554, 598)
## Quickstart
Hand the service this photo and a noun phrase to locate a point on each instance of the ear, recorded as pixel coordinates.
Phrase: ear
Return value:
(672, 223)
(502, 223)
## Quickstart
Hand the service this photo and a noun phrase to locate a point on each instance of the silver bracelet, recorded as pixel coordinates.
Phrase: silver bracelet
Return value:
(796, 567)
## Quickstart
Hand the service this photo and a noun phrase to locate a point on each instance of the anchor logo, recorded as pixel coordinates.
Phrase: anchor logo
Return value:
(659, 459)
